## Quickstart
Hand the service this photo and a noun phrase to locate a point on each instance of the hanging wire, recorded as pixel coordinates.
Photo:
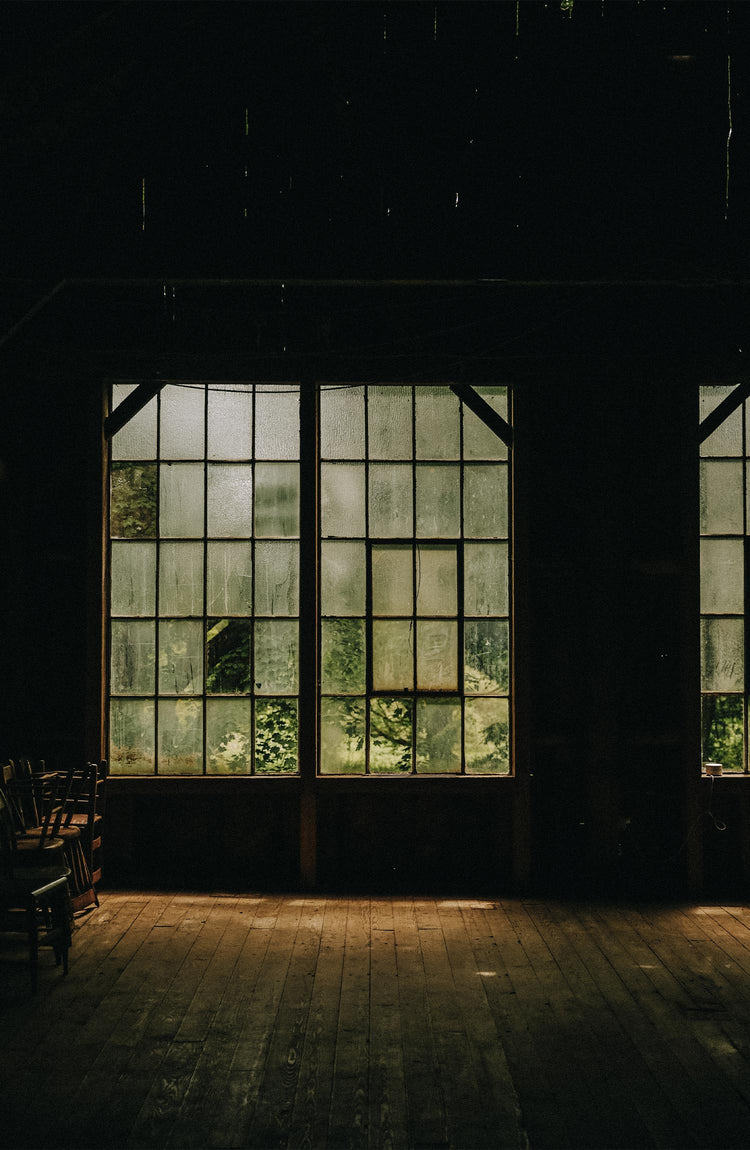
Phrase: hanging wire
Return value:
(729, 120)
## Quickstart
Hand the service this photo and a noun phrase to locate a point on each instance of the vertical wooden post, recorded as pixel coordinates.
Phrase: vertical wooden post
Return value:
(308, 709)
(96, 572)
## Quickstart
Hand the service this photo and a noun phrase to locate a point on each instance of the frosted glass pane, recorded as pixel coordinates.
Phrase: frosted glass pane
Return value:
(342, 737)
(391, 500)
(721, 497)
(277, 500)
(133, 578)
(485, 579)
(230, 499)
(181, 579)
(437, 592)
(392, 575)
(182, 422)
(181, 494)
(132, 738)
(276, 737)
(342, 499)
(230, 421)
(479, 441)
(392, 655)
(277, 578)
(342, 578)
(486, 656)
(180, 737)
(438, 736)
(722, 654)
(486, 737)
(342, 423)
(722, 576)
(486, 501)
(229, 736)
(389, 415)
(181, 657)
(228, 656)
(342, 656)
(727, 439)
(722, 731)
(390, 736)
(276, 657)
(137, 439)
(277, 421)
(437, 655)
(132, 657)
(132, 506)
(437, 423)
(438, 501)
(230, 580)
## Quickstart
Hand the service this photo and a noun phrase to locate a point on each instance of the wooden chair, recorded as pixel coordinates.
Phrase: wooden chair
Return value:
(33, 900)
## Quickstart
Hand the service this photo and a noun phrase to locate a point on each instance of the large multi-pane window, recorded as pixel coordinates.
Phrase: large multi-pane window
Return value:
(209, 566)
(725, 458)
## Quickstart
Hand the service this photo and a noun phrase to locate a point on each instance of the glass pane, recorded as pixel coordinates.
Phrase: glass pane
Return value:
(230, 499)
(132, 657)
(391, 500)
(181, 657)
(277, 578)
(721, 575)
(277, 421)
(392, 580)
(389, 415)
(228, 656)
(131, 736)
(276, 737)
(486, 501)
(437, 423)
(485, 579)
(479, 441)
(437, 655)
(721, 497)
(727, 439)
(342, 656)
(182, 416)
(438, 736)
(485, 656)
(230, 421)
(722, 724)
(390, 735)
(137, 439)
(230, 579)
(133, 578)
(342, 499)
(229, 736)
(181, 507)
(342, 578)
(180, 737)
(722, 654)
(181, 579)
(277, 500)
(436, 581)
(438, 501)
(132, 506)
(342, 423)
(276, 657)
(392, 655)
(342, 736)
(487, 737)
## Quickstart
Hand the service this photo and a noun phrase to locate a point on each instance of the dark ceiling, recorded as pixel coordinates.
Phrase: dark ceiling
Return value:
(539, 140)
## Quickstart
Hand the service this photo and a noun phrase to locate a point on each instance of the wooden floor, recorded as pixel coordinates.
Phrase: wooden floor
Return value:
(223, 1021)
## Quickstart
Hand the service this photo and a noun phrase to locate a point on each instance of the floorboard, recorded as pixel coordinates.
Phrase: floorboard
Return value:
(313, 1023)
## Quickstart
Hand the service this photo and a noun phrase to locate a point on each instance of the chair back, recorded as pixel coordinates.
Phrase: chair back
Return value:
(7, 838)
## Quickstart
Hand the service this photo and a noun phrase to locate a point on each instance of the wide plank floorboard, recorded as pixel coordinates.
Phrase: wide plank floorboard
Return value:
(304, 1022)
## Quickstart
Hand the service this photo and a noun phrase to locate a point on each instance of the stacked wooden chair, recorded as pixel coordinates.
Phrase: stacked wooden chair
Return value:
(34, 900)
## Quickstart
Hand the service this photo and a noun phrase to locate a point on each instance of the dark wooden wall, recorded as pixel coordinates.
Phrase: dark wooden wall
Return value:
(607, 795)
